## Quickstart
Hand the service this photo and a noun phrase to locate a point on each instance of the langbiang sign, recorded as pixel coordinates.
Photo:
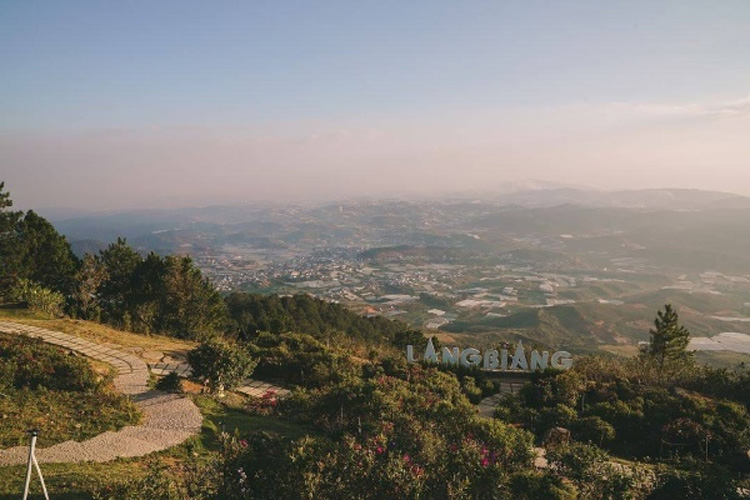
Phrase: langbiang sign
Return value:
(492, 359)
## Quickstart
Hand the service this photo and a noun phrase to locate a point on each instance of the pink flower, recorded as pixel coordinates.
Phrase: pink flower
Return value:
(485, 462)
(379, 450)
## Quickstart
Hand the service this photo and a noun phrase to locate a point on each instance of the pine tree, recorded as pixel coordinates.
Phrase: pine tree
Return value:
(89, 279)
(120, 262)
(669, 342)
(45, 255)
(32, 249)
(7, 254)
(192, 308)
(5, 201)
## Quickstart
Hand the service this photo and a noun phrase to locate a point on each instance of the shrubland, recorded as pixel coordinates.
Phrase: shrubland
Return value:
(361, 422)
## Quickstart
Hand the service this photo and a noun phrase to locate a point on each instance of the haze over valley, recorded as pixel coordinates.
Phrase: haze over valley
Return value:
(560, 267)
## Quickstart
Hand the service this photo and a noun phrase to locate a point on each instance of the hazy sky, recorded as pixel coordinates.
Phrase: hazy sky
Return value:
(157, 103)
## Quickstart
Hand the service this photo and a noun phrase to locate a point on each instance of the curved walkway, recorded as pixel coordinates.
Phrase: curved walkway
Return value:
(168, 419)
(486, 409)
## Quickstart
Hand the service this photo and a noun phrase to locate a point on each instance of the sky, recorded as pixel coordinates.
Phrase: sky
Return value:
(108, 105)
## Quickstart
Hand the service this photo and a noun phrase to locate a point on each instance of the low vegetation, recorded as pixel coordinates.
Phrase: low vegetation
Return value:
(44, 387)
(361, 422)
(220, 365)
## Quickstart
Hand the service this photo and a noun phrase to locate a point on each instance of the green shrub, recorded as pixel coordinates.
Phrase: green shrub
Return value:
(696, 480)
(220, 365)
(537, 486)
(593, 430)
(30, 363)
(300, 359)
(471, 390)
(595, 477)
(38, 298)
(170, 383)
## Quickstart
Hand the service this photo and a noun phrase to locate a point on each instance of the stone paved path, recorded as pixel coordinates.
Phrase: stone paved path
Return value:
(250, 387)
(258, 389)
(182, 369)
(487, 405)
(168, 419)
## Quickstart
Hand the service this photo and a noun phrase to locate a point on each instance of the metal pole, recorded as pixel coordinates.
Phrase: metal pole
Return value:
(41, 478)
(32, 460)
(706, 447)
(34, 433)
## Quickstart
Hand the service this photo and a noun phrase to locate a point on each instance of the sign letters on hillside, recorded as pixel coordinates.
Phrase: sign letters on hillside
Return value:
(492, 359)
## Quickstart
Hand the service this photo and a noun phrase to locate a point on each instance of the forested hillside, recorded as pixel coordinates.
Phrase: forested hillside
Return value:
(253, 313)
(154, 293)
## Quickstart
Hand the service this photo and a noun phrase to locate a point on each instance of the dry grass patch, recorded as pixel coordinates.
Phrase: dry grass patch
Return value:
(98, 333)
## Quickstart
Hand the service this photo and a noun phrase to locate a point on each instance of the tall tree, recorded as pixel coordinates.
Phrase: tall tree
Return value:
(31, 248)
(45, 255)
(5, 201)
(120, 262)
(89, 280)
(8, 255)
(193, 308)
(147, 295)
(669, 342)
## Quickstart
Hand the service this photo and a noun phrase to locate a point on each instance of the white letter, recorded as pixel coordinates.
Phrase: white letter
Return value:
(410, 354)
(519, 359)
(562, 360)
(429, 353)
(539, 362)
(490, 360)
(470, 357)
(450, 356)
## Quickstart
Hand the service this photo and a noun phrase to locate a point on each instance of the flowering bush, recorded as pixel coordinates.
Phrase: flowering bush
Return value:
(264, 405)
(383, 437)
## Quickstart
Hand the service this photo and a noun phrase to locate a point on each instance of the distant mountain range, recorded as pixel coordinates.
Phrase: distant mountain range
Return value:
(670, 199)
(528, 194)
(697, 228)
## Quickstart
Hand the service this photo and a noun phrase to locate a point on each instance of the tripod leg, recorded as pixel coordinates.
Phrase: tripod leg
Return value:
(41, 478)
(28, 469)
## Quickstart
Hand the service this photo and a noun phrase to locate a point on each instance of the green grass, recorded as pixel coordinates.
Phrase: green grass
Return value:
(77, 481)
(229, 417)
(66, 481)
(61, 416)
(42, 387)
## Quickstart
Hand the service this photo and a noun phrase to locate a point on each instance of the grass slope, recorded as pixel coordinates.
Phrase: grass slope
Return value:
(43, 387)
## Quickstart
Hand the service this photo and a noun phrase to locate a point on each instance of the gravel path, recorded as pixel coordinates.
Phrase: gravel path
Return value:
(486, 409)
(168, 419)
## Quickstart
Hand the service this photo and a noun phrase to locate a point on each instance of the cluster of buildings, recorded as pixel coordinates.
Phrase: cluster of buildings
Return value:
(426, 293)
